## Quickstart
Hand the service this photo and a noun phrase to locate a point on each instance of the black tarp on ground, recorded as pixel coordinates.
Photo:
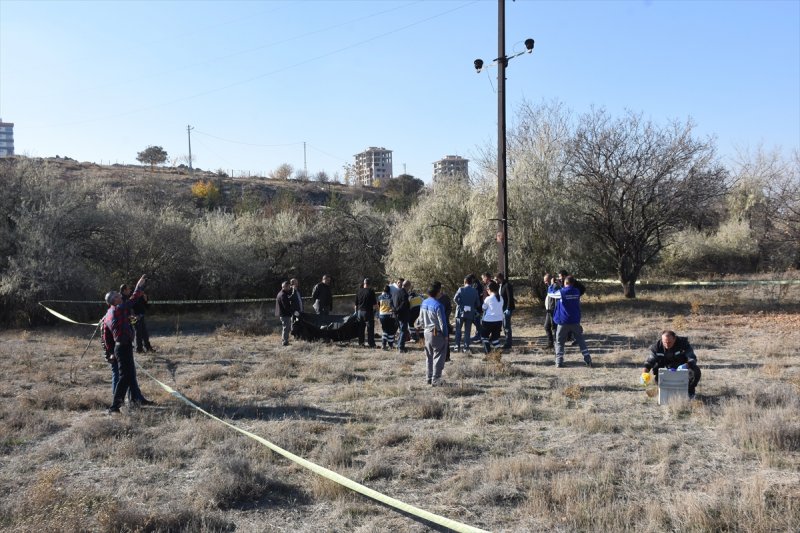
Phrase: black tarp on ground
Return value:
(311, 327)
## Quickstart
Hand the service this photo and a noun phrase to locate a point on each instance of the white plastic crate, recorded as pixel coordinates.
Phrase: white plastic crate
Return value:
(672, 385)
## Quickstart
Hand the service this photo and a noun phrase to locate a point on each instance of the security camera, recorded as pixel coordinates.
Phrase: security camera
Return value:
(478, 65)
(529, 45)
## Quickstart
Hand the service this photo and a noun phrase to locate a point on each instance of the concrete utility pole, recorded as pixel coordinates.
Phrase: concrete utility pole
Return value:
(189, 133)
(502, 198)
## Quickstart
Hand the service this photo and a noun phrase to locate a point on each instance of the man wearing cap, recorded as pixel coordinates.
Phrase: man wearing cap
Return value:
(117, 319)
(365, 306)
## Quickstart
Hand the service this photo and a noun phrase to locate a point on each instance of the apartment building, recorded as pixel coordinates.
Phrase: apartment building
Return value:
(451, 165)
(6, 139)
(373, 164)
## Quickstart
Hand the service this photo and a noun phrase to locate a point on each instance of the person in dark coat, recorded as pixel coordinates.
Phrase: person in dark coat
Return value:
(673, 352)
(365, 306)
(285, 309)
(402, 309)
(507, 294)
(322, 297)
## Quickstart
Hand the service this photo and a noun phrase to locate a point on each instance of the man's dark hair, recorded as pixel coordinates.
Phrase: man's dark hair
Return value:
(386, 290)
(488, 275)
(433, 291)
(668, 333)
(500, 275)
(437, 284)
(468, 280)
(569, 280)
(123, 288)
(563, 273)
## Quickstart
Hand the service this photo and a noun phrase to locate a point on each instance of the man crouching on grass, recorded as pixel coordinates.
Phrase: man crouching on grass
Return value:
(117, 319)
(673, 352)
(432, 320)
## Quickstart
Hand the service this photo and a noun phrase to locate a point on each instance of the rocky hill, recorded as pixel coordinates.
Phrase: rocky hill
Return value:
(175, 183)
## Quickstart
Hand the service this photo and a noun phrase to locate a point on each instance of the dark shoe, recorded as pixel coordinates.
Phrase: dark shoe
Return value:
(139, 350)
(384, 348)
(550, 345)
(145, 401)
(438, 382)
(429, 381)
(111, 410)
(150, 349)
(589, 364)
(285, 344)
(559, 365)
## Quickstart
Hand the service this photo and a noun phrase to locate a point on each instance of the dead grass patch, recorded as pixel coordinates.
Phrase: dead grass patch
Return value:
(514, 444)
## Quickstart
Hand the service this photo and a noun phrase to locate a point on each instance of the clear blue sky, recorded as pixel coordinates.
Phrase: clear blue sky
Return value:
(99, 81)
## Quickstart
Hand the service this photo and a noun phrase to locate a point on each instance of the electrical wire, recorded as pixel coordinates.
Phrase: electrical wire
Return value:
(270, 73)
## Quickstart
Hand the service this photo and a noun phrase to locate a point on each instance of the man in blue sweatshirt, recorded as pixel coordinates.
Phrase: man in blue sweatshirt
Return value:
(568, 319)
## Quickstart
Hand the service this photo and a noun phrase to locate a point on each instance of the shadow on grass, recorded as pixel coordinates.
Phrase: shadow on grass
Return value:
(282, 412)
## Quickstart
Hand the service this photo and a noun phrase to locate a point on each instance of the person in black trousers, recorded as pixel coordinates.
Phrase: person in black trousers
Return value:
(365, 305)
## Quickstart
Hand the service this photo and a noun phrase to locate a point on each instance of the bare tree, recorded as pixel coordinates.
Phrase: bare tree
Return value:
(767, 197)
(283, 172)
(636, 183)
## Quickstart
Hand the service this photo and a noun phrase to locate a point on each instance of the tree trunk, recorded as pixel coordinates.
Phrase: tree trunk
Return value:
(629, 288)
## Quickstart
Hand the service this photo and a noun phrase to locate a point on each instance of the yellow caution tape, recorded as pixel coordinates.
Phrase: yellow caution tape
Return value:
(324, 472)
(67, 319)
(189, 302)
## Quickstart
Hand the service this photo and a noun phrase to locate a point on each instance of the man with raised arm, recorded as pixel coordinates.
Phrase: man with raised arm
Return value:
(117, 319)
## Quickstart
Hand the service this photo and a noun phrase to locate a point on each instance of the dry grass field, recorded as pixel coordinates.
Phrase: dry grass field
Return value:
(509, 444)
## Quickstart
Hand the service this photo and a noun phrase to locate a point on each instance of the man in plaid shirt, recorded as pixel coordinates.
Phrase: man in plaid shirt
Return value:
(117, 319)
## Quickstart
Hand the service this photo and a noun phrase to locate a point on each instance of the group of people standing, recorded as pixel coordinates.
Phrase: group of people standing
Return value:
(487, 303)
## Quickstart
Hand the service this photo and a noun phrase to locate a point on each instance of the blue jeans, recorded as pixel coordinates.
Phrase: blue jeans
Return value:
(403, 321)
(134, 393)
(507, 327)
(562, 332)
(465, 323)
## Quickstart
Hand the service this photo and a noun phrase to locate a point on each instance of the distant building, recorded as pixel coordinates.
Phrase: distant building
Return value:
(451, 166)
(373, 164)
(6, 139)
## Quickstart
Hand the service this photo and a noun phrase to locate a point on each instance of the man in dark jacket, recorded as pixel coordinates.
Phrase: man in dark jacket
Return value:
(138, 320)
(403, 309)
(322, 297)
(672, 351)
(365, 306)
(507, 294)
(285, 309)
